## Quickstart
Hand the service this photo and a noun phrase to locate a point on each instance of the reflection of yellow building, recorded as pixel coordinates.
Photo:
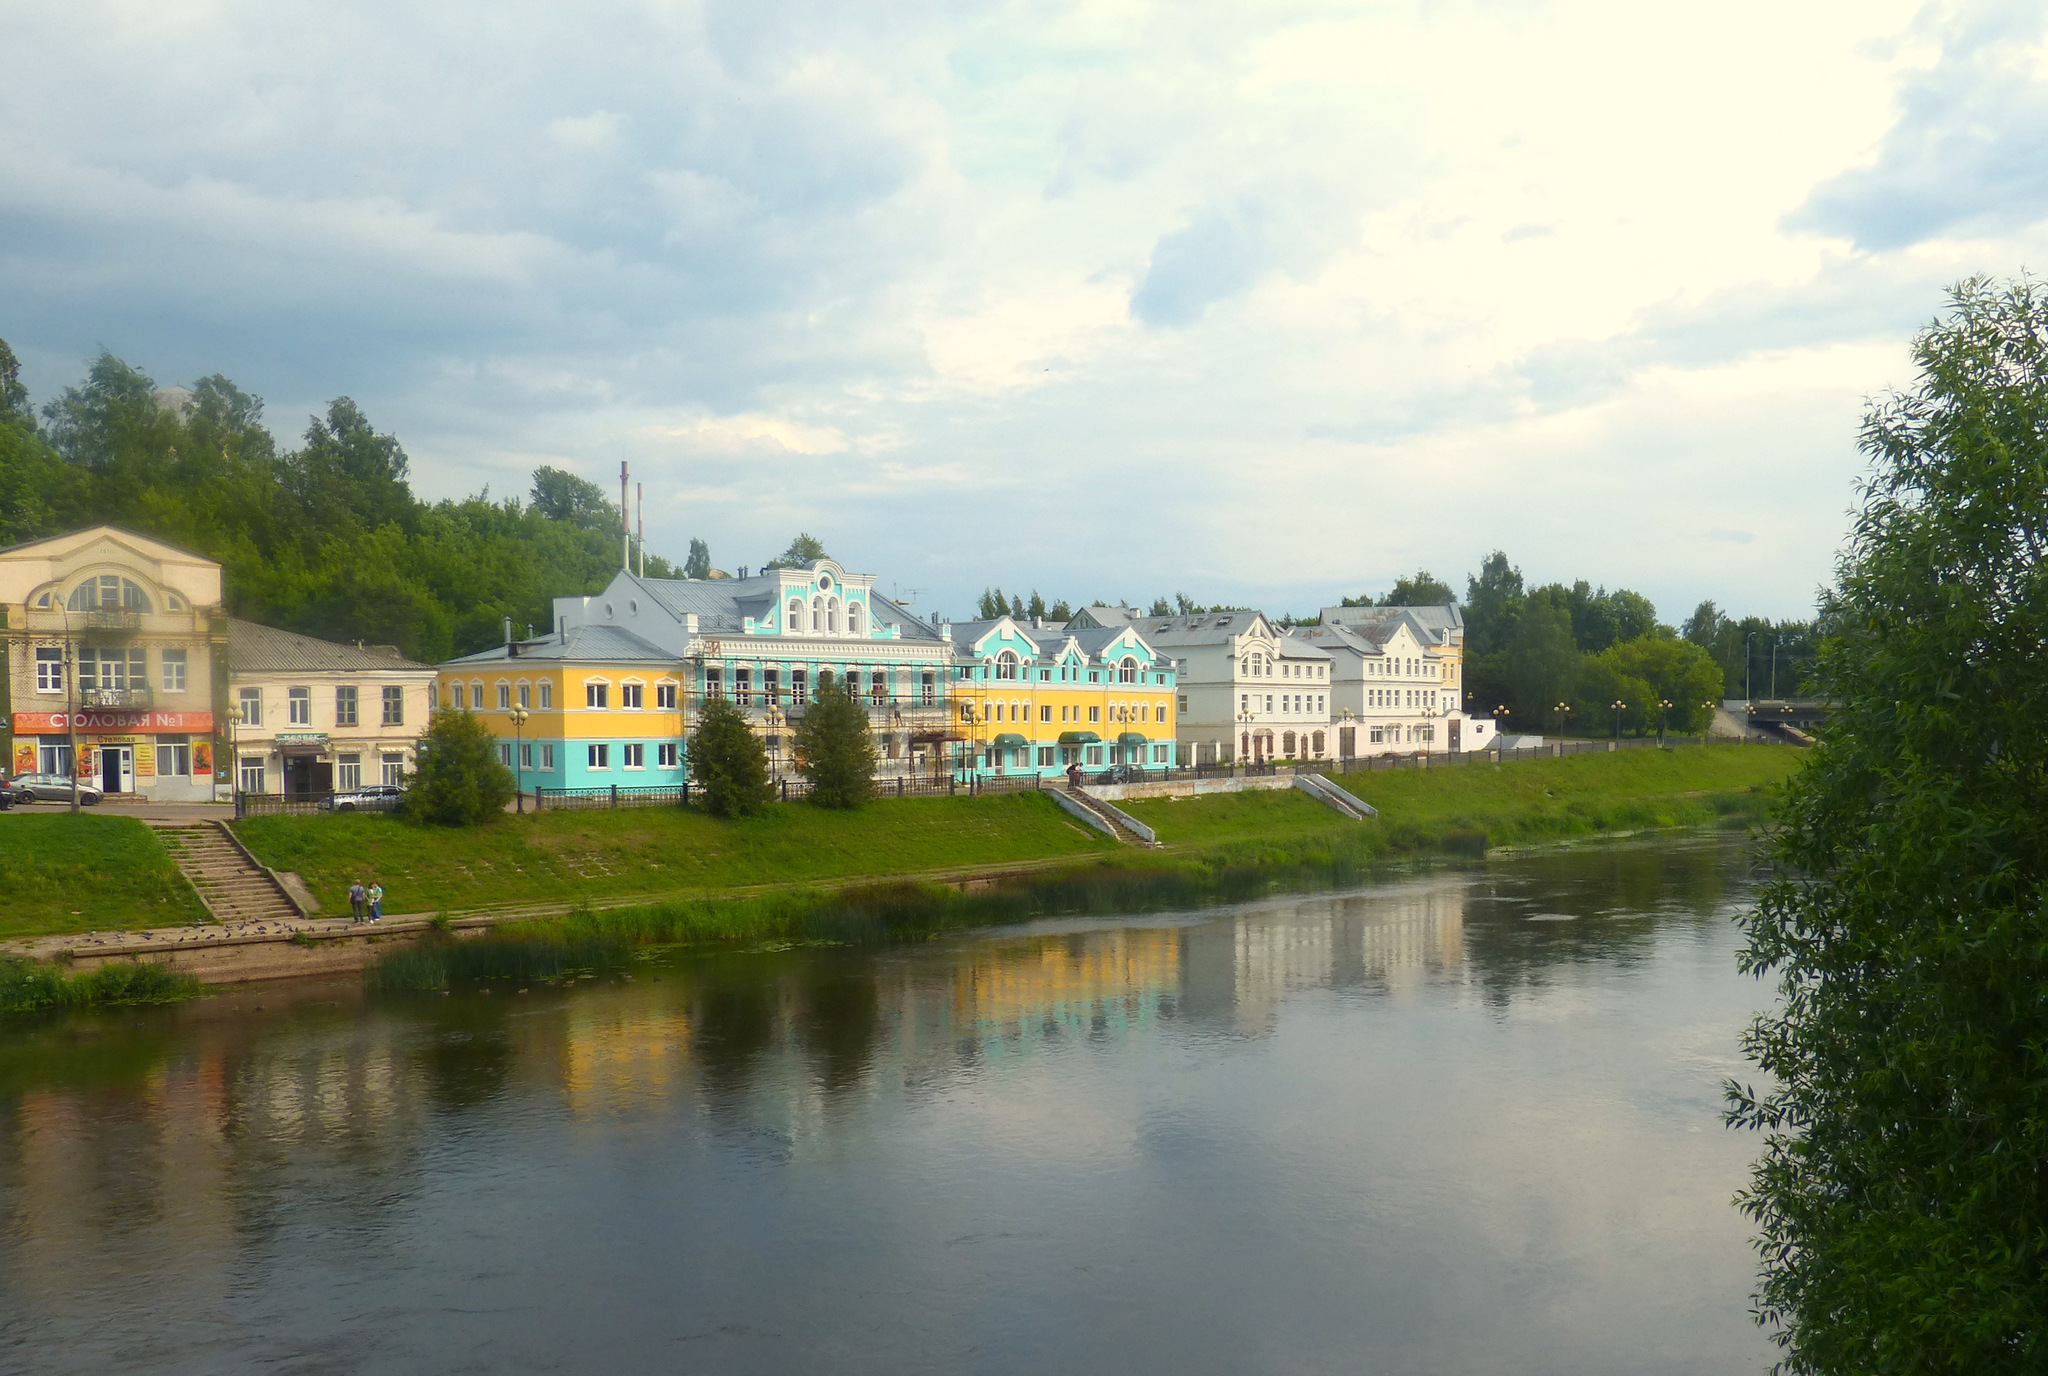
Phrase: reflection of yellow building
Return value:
(619, 1054)
(1067, 979)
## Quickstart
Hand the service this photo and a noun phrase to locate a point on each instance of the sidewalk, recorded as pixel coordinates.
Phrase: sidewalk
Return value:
(142, 811)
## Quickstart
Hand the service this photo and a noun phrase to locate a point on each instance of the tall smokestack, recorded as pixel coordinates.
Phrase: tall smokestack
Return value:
(640, 519)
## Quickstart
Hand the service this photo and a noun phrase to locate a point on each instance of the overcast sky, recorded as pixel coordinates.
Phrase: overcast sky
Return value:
(1267, 302)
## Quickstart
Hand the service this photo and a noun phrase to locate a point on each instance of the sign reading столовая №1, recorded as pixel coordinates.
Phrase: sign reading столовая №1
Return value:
(96, 721)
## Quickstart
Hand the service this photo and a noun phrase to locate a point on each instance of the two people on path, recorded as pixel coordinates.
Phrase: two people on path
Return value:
(359, 898)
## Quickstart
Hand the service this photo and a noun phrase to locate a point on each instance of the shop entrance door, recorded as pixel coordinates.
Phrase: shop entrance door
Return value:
(306, 776)
(117, 768)
(1455, 724)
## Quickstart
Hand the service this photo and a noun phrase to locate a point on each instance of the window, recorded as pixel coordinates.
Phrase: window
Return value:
(52, 758)
(966, 710)
(298, 706)
(345, 705)
(1094, 753)
(252, 713)
(394, 706)
(108, 592)
(799, 686)
(525, 693)
(1269, 702)
(629, 695)
(547, 758)
(547, 694)
(504, 696)
(597, 695)
(714, 683)
(1045, 714)
(796, 616)
(392, 768)
(1159, 754)
(49, 671)
(1044, 756)
(348, 773)
(1095, 714)
(599, 757)
(505, 753)
(174, 671)
(173, 756)
(1006, 665)
(853, 618)
(633, 756)
(928, 689)
(249, 777)
(476, 696)
(526, 755)
(665, 755)
(1244, 702)
(1182, 699)
(665, 696)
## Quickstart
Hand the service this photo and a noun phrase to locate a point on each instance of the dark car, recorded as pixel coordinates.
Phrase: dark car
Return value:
(375, 798)
(1120, 774)
(53, 788)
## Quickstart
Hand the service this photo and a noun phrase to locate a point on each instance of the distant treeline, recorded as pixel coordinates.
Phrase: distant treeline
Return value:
(328, 538)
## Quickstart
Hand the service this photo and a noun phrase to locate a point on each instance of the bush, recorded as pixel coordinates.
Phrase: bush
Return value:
(27, 986)
(728, 762)
(1901, 1195)
(836, 750)
(460, 781)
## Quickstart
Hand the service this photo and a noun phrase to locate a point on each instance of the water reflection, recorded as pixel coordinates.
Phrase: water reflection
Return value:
(157, 1172)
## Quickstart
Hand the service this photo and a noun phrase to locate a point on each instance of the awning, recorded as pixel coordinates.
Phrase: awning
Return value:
(1078, 738)
(1009, 740)
(1134, 738)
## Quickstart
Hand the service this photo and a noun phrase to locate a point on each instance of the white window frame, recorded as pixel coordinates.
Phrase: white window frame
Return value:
(667, 755)
(665, 695)
(249, 702)
(348, 773)
(174, 669)
(597, 694)
(49, 671)
(391, 769)
(547, 695)
(298, 705)
(632, 694)
(633, 755)
(597, 757)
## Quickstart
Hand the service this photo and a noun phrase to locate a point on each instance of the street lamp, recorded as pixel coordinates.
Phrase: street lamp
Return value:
(1563, 711)
(71, 702)
(1709, 708)
(1619, 707)
(519, 716)
(1663, 705)
(1748, 667)
(1244, 739)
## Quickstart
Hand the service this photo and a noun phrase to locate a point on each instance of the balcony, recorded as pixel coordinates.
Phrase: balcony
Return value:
(132, 699)
(109, 619)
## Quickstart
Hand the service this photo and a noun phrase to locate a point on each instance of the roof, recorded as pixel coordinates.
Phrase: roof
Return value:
(724, 604)
(254, 649)
(598, 644)
(1197, 628)
(1100, 617)
(1428, 622)
(105, 529)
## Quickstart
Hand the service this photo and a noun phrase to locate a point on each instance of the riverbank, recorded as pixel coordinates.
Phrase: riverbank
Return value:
(799, 873)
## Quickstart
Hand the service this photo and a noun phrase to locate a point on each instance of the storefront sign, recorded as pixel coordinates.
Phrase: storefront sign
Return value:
(98, 722)
(302, 738)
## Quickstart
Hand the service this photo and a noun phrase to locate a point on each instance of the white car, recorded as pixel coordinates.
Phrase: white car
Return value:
(375, 798)
(53, 788)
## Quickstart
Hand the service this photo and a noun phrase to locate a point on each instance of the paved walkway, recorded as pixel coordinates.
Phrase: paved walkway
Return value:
(147, 812)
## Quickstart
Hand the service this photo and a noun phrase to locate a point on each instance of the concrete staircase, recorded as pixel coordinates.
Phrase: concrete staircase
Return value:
(231, 884)
(1104, 817)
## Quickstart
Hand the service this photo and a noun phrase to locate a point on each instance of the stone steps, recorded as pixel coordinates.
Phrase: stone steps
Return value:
(232, 887)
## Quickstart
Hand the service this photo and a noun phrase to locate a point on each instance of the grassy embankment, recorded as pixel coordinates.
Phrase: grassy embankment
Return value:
(60, 873)
(1220, 848)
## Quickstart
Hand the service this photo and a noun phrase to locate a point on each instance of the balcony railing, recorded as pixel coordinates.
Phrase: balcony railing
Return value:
(119, 697)
(110, 619)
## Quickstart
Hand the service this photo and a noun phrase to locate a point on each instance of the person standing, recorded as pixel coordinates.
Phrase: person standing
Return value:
(376, 901)
(358, 899)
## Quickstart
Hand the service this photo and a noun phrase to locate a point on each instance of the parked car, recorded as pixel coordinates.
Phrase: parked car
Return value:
(375, 798)
(52, 788)
(1121, 774)
(6, 793)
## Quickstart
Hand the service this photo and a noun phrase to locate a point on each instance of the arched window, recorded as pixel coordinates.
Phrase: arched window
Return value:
(1127, 672)
(1006, 665)
(832, 615)
(1319, 743)
(796, 616)
(1287, 743)
(108, 592)
(853, 618)
(817, 613)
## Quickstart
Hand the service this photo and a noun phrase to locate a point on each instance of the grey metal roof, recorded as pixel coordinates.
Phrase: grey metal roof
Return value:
(1198, 628)
(1428, 622)
(601, 644)
(254, 649)
(723, 604)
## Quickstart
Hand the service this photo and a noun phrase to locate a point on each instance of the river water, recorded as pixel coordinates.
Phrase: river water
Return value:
(1459, 1122)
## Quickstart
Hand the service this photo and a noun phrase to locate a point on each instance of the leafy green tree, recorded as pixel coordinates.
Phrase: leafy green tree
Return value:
(1060, 612)
(1541, 663)
(992, 604)
(1035, 608)
(1493, 604)
(698, 565)
(1160, 607)
(1901, 1197)
(1644, 671)
(560, 495)
(728, 761)
(1420, 589)
(460, 781)
(13, 396)
(834, 747)
(1703, 627)
(802, 550)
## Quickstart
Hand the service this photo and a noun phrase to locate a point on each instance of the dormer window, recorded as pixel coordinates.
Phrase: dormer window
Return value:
(109, 592)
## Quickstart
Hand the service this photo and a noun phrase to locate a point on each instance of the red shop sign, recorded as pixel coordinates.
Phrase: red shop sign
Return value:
(97, 720)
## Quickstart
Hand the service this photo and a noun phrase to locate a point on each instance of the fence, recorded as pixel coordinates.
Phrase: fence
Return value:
(283, 804)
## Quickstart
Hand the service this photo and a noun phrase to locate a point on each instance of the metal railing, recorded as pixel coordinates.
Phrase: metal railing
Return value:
(117, 697)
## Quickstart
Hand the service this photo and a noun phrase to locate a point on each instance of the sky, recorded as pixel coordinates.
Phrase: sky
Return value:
(1267, 303)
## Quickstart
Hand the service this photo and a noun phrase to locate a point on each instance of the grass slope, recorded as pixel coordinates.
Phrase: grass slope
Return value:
(60, 873)
(1519, 801)
(562, 856)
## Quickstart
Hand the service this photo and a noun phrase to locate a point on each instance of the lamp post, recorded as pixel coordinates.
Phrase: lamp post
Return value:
(1663, 705)
(519, 716)
(1709, 708)
(1244, 740)
(71, 703)
(1563, 711)
(1619, 707)
(1748, 668)
(773, 720)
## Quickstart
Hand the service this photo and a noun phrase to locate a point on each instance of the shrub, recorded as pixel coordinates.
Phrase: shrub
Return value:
(460, 781)
(836, 749)
(728, 762)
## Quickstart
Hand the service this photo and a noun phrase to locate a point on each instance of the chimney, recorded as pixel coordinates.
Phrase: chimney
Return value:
(511, 650)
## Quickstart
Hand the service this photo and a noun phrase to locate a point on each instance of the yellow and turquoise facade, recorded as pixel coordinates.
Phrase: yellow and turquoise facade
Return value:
(1031, 699)
(604, 708)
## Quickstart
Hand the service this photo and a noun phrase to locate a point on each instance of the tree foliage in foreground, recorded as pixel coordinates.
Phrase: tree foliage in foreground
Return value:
(728, 762)
(1902, 1195)
(834, 747)
(460, 780)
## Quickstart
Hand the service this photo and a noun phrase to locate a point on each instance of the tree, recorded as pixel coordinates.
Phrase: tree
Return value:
(802, 550)
(728, 762)
(1160, 607)
(13, 396)
(559, 495)
(698, 565)
(1035, 608)
(1060, 612)
(1650, 669)
(1901, 1195)
(1016, 609)
(1420, 589)
(1541, 662)
(460, 780)
(1493, 603)
(1703, 627)
(834, 747)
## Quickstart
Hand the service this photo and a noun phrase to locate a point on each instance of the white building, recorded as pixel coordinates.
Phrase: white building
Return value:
(313, 717)
(1398, 681)
(1246, 690)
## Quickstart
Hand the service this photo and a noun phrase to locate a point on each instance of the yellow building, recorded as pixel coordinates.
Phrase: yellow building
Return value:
(1032, 699)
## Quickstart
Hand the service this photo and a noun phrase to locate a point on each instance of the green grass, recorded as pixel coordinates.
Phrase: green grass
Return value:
(31, 987)
(564, 856)
(60, 873)
(1517, 802)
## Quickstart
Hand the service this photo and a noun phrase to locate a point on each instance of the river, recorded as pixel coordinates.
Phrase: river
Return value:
(1462, 1121)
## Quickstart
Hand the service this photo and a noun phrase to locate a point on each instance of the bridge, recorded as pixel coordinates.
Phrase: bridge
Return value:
(1801, 714)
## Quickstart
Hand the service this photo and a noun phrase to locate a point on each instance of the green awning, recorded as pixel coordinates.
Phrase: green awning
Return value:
(1009, 740)
(1134, 738)
(1078, 738)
